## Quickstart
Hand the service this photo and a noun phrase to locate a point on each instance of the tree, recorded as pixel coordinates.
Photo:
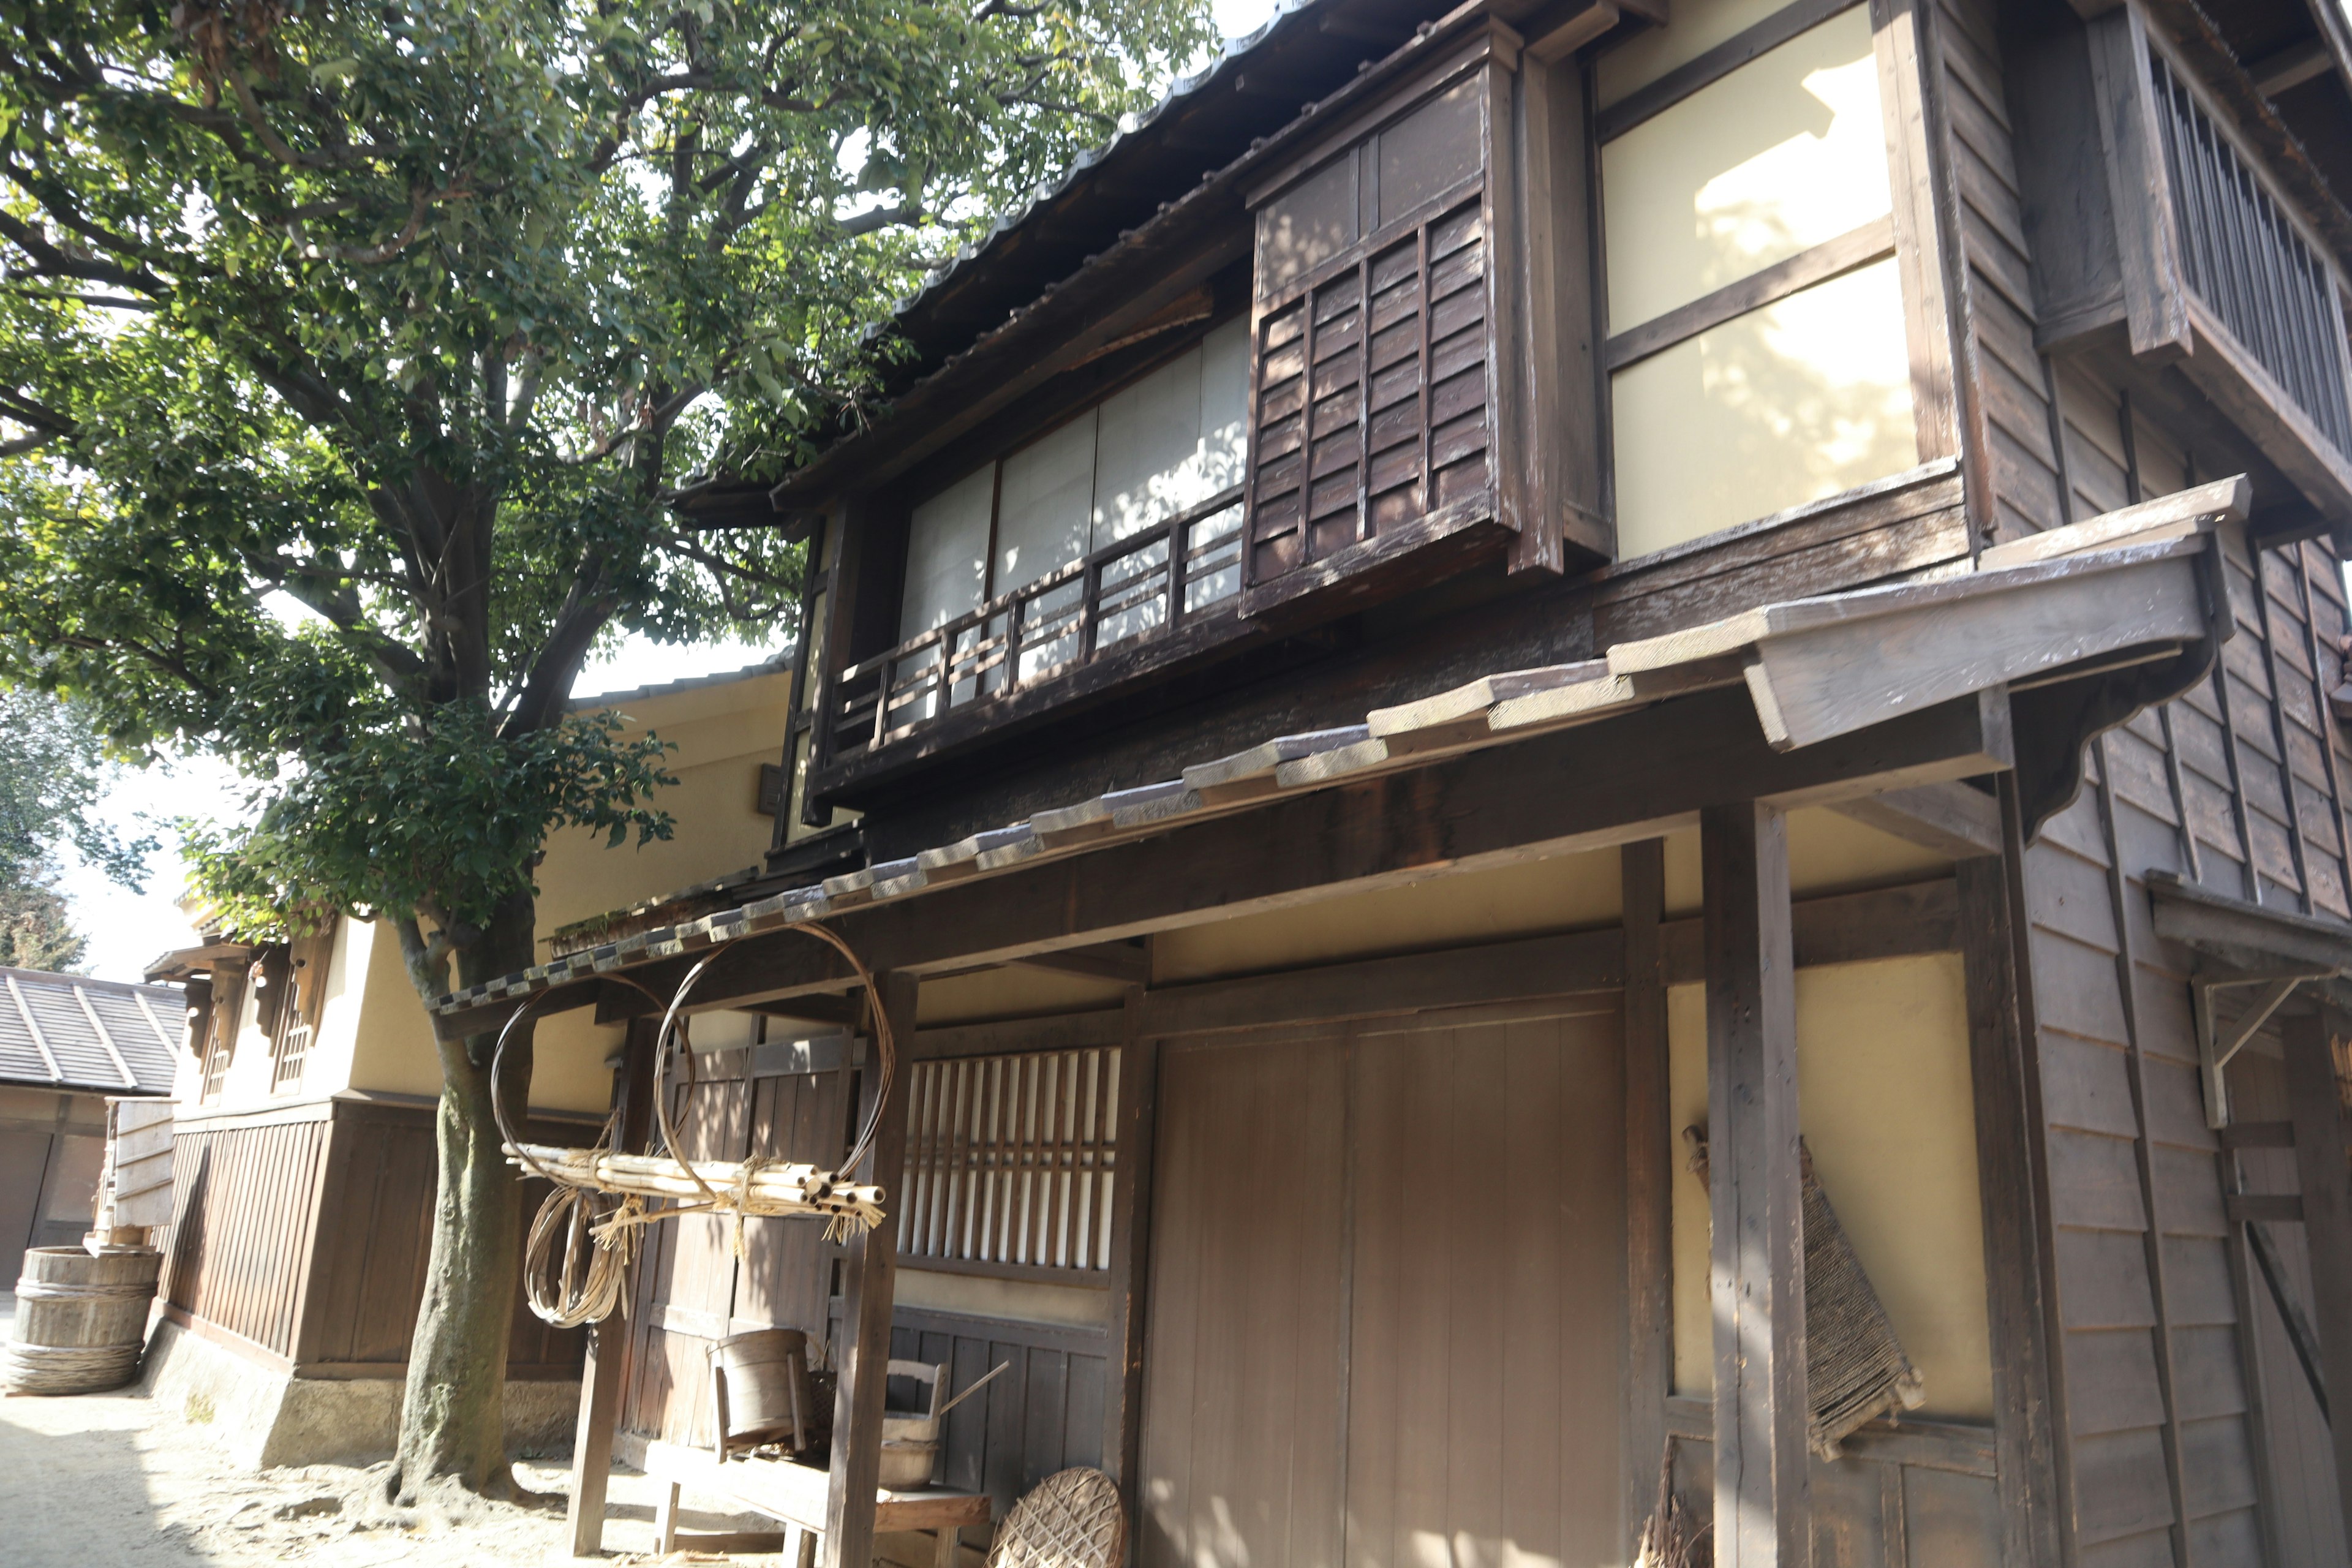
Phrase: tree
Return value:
(52, 774)
(347, 356)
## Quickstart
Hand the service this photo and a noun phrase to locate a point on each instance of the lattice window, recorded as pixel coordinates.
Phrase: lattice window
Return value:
(1011, 1161)
(292, 1047)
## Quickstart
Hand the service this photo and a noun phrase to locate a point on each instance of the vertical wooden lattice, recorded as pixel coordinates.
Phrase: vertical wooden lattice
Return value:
(1364, 426)
(1011, 1159)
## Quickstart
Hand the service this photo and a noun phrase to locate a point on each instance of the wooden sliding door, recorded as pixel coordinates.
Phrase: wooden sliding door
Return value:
(1386, 1293)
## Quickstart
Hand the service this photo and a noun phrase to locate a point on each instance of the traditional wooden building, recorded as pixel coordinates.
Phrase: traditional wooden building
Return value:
(303, 1136)
(1488, 585)
(67, 1044)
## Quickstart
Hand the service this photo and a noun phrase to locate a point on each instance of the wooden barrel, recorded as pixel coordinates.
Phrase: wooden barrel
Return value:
(761, 1380)
(82, 1321)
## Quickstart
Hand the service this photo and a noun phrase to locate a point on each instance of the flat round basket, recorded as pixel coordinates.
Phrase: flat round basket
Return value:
(1067, 1520)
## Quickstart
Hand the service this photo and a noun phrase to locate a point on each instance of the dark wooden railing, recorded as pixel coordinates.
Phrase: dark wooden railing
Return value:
(1142, 587)
(2243, 257)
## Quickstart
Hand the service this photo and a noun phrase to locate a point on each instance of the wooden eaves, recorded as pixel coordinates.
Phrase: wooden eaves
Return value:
(1814, 701)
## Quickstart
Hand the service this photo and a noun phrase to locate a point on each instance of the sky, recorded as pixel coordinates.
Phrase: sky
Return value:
(128, 931)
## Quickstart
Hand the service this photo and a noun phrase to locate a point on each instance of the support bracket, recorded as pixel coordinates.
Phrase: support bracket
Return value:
(2214, 1048)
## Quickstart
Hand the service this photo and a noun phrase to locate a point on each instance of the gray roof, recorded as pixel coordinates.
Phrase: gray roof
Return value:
(1829, 690)
(64, 1031)
(768, 665)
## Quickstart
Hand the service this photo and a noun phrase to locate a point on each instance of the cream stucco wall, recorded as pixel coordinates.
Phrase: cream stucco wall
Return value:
(374, 1035)
(1884, 1100)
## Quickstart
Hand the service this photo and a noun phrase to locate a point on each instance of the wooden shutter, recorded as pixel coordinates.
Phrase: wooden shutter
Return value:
(1375, 386)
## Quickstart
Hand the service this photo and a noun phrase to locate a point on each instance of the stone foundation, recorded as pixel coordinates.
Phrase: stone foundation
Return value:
(264, 1418)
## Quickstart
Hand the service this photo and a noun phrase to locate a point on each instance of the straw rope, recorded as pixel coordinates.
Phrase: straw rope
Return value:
(577, 1255)
(67, 1369)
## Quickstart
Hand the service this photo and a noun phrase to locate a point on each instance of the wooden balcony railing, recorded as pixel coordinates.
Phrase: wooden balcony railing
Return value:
(1142, 587)
(2243, 257)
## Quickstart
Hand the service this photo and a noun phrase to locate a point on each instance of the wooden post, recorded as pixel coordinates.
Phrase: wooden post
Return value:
(1131, 1243)
(1756, 1265)
(2010, 1189)
(872, 1276)
(2322, 1157)
(608, 1341)
(1649, 1178)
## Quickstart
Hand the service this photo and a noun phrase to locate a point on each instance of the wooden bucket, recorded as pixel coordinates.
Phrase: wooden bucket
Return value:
(82, 1321)
(760, 1382)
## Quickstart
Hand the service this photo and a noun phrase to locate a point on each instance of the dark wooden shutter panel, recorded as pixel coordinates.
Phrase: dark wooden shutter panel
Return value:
(1373, 393)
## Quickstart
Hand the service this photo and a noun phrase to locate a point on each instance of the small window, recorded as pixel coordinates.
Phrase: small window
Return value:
(1757, 347)
(1161, 445)
(1011, 1161)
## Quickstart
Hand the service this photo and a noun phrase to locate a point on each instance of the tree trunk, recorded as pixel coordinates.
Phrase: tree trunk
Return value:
(452, 1414)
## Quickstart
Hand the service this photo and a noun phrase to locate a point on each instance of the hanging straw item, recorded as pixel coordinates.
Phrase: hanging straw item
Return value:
(1855, 1369)
(759, 1189)
(583, 1284)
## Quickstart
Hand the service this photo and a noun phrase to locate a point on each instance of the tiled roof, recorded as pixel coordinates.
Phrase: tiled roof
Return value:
(769, 665)
(1508, 706)
(64, 1031)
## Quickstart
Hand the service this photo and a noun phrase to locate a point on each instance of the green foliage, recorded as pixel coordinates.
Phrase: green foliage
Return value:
(52, 772)
(37, 933)
(348, 354)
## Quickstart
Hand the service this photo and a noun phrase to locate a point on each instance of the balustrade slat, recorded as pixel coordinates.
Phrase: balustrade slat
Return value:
(2242, 256)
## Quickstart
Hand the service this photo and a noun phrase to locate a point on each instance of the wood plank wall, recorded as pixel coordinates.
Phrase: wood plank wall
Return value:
(2307, 1521)
(1045, 1414)
(241, 1228)
(2237, 785)
(307, 1239)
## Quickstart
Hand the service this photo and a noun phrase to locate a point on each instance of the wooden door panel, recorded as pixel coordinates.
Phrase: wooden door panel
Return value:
(1244, 1373)
(1386, 1292)
(1488, 1175)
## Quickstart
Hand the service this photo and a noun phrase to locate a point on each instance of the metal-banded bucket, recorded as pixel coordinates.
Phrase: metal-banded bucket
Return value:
(760, 1382)
(82, 1321)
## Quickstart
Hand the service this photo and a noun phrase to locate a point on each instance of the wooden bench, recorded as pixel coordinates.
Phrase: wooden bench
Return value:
(796, 1495)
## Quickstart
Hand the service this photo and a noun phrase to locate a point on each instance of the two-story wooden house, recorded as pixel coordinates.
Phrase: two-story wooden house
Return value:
(1487, 586)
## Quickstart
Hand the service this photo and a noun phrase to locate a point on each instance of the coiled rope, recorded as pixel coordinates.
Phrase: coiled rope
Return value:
(576, 1259)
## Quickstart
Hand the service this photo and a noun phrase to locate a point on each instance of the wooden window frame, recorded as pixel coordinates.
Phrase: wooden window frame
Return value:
(970, 1200)
(1910, 233)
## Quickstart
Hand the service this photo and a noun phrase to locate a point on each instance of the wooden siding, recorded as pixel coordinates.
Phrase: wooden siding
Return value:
(1370, 1363)
(2237, 784)
(241, 1228)
(1043, 1414)
(305, 1236)
(2308, 1518)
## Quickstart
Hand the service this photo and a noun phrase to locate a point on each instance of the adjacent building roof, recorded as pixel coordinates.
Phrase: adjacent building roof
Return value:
(769, 665)
(64, 1031)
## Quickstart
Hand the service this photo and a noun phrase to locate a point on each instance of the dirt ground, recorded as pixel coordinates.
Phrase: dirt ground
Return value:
(110, 1479)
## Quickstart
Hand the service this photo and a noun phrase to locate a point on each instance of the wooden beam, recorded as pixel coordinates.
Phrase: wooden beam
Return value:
(1902, 921)
(1757, 1255)
(1639, 776)
(2316, 1090)
(2016, 1304)
(1058, 1032)
(1379, 987)
(1119, 961)
(864, 1355)
(606, 1369)
(1954, 820)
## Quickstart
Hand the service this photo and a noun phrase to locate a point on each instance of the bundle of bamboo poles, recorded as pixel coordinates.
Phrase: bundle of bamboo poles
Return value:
(756, 1188)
